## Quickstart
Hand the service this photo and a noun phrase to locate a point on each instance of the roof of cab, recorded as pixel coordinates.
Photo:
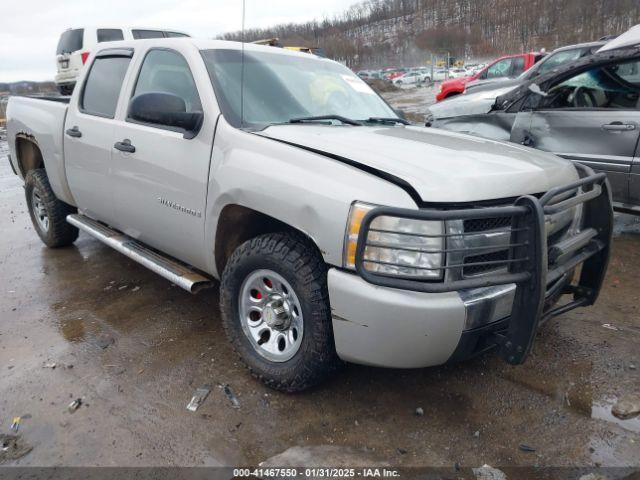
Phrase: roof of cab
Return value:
(205, 44)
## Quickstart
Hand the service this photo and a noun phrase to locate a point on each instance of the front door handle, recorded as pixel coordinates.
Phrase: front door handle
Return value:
(125, 146)
(619, 127)
(74, 132)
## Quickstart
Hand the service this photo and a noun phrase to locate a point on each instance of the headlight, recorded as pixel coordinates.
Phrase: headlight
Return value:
(396, 246)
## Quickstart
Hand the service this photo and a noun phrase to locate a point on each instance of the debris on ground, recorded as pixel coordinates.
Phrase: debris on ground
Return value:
(419, 411)
(198, 397)
(12, 447)
(487, 472)
(526, 448)
(51, 365)
(75, 405)
(627, 407)
(105, 341)
(135, 289)
(401, 451)
(608, 326)
(235, 403)
(15, 425)
(476, 434)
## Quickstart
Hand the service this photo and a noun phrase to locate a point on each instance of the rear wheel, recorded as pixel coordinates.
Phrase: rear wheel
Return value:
(275, 311)
(48, 214)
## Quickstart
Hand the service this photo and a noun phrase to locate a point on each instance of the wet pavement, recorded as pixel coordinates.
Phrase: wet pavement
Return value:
(134, 349)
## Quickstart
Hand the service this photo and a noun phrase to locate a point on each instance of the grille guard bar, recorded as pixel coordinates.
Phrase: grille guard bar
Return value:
(532, 264)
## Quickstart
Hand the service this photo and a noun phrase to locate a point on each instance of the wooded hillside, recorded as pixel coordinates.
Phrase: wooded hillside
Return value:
(378, 33)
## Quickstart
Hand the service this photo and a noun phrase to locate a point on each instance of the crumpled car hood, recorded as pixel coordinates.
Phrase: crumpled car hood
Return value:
(441, 166)
(470, 103)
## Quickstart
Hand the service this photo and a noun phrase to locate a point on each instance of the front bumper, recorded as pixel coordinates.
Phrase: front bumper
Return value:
(402, 322)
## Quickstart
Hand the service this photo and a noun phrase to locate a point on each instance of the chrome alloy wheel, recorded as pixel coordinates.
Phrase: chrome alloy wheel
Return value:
(39, 211)
(271, 315)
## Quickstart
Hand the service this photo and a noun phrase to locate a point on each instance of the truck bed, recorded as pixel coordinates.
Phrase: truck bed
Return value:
(40, 119)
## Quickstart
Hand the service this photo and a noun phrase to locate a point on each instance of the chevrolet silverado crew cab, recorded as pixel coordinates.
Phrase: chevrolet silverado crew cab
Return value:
(337, 231)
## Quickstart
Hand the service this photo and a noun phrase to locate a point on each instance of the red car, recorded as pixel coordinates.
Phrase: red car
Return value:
(507, 66)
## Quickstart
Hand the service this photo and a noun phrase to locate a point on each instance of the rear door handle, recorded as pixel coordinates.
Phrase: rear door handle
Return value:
(74, 132)
(125, 146)
(619, 127)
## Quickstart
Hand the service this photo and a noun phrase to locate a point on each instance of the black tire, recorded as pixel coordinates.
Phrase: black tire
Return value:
(298, 261)
(59, 233)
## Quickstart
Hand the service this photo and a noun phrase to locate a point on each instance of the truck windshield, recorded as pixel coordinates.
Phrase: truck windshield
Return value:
(70, 41)
(279, 88)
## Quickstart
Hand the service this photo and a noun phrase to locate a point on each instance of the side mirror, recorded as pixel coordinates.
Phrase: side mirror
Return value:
(535, 88)
(165, 109)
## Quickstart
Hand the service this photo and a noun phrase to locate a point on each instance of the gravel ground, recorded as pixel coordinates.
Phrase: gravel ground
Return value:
(134, 349)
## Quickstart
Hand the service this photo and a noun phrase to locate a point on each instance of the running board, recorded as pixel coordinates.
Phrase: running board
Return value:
(171, 269)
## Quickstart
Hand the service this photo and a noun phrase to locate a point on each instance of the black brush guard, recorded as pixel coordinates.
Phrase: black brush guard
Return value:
(532, 264)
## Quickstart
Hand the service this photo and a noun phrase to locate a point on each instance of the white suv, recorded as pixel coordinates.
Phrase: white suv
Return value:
(76, 44)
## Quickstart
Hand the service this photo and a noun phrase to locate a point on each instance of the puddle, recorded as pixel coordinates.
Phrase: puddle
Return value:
(601, 410)
(12, 447)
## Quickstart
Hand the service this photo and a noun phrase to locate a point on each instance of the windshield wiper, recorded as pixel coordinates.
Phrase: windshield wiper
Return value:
(387, 120)
(320, 118)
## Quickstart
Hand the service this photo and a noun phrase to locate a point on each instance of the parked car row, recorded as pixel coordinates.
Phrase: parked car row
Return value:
(418, 75)
(582, 102)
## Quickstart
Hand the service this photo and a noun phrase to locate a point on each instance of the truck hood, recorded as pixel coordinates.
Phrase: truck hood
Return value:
(440, 166)
(469, 103)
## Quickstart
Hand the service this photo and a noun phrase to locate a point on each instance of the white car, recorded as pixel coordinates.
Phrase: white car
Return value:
(75, 45)
(412, 78)
(458, 73)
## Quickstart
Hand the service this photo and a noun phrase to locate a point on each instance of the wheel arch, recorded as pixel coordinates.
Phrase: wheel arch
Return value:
(28, 154)
(237, 224)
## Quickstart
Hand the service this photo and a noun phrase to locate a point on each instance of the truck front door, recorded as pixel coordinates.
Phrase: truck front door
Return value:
(88, 136)
(160, 179)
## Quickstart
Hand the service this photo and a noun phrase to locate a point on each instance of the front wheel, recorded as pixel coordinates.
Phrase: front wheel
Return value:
(275, 311)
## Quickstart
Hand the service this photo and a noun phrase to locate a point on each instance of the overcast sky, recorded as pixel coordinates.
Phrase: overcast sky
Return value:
(30, 29)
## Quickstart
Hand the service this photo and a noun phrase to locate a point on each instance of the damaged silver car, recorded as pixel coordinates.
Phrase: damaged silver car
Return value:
(586, 111)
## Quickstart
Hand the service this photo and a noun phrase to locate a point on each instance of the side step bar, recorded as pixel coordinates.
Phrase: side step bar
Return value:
(166, 267)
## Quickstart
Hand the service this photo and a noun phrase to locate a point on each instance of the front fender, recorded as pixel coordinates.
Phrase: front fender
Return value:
(305, 190)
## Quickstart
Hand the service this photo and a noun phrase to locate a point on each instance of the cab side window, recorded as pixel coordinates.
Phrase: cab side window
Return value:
(614, 86)
(102, 87)
(517, 66)
(166, 71)
(499, 69)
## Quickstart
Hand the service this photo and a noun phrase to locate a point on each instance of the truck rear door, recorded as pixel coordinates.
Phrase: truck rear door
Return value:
(160, 176)
(88, 135)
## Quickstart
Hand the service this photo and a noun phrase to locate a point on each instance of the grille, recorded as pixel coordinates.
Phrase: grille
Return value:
(484, 224)
(492, 262)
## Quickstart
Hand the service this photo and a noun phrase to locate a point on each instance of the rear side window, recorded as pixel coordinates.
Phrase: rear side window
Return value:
(175, 34)
(168, 72)
(142, 34)
(70, 41)
(109, 35)
(102, 87)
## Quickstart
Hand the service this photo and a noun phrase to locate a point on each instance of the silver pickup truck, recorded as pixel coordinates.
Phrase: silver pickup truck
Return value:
(337, 231)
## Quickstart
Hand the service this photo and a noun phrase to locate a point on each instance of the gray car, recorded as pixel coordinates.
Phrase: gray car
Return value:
(586, 111)
(558, 57)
